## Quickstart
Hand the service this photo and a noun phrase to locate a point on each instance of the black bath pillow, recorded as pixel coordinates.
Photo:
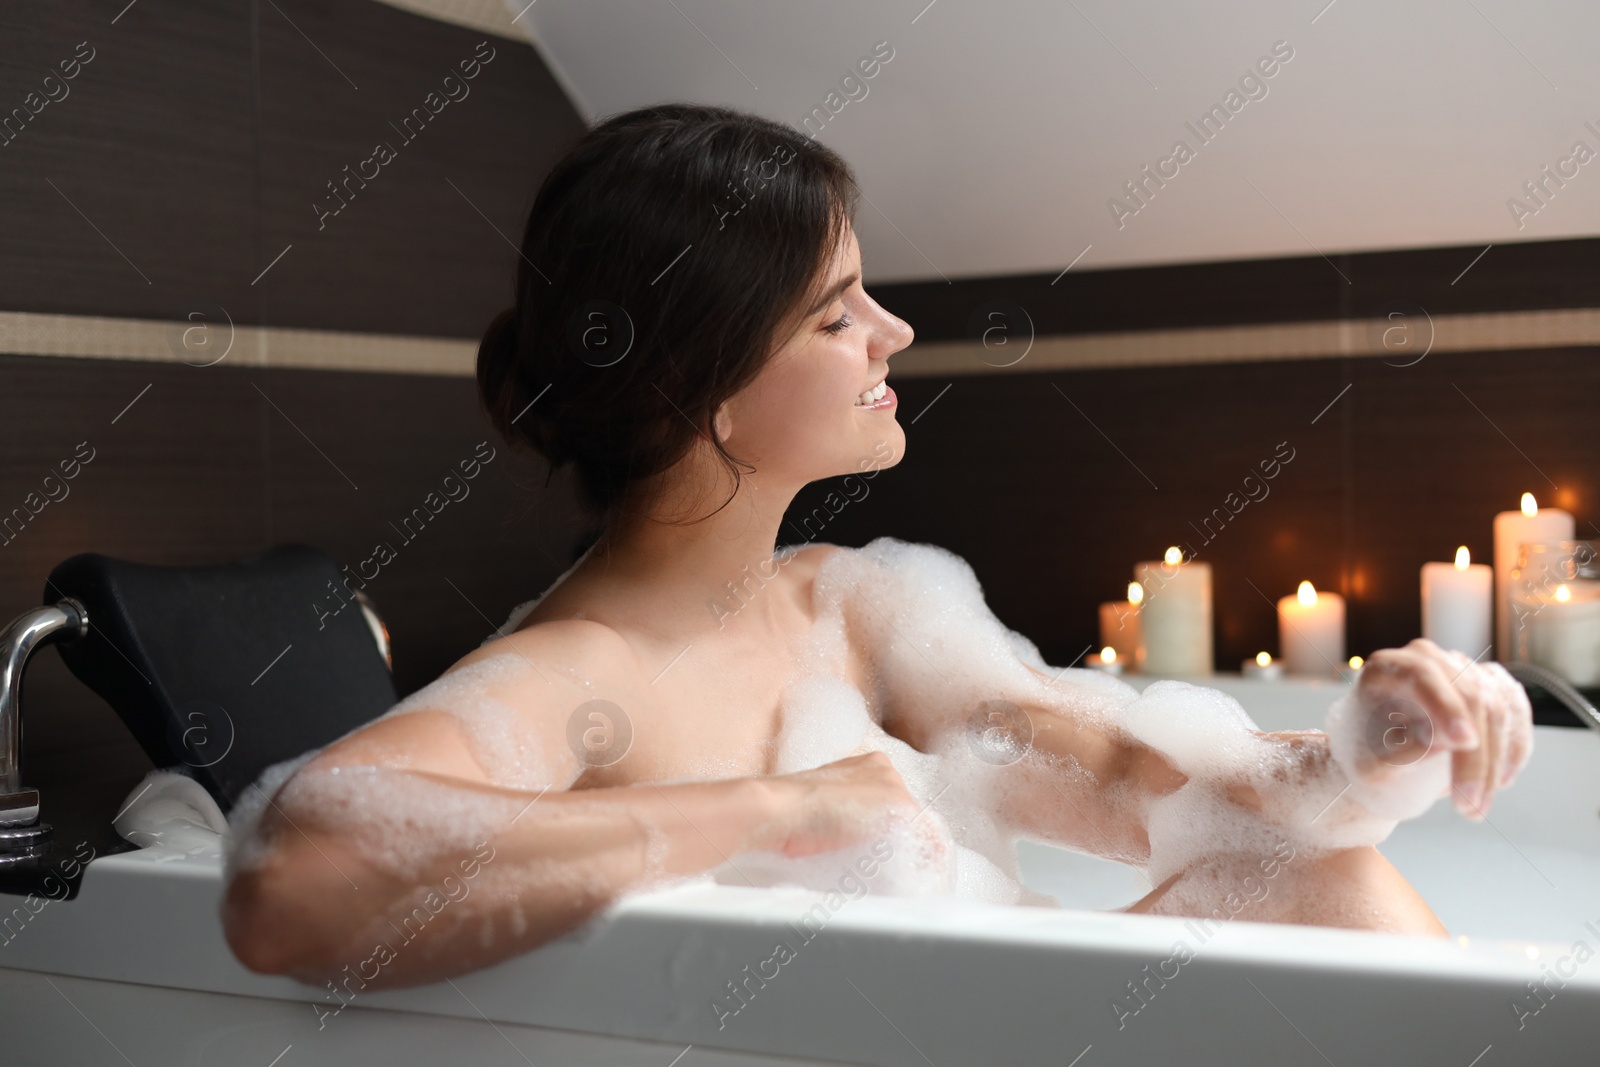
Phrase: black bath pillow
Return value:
(225, 670)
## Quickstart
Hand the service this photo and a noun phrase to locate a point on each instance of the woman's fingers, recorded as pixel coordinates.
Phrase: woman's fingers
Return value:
(1500, 708)
(1479, 714)
(1474, 768)
(1517, 723)
(1494, 718)
(1452, 693)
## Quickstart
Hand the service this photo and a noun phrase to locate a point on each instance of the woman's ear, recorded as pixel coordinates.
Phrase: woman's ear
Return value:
(722, 423)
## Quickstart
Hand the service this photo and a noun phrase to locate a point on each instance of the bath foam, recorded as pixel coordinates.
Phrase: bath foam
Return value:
(242, 847)
(398, 821)
(830, 721)
(1404, 793)
(919, 614)
(1208, 737)
(827, 719)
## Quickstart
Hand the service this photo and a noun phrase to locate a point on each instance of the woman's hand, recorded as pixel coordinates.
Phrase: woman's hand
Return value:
(1420, 700)
(837, 804)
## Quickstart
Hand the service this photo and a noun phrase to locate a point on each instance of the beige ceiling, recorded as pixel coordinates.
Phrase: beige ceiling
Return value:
(1002, 133)
(491, 16)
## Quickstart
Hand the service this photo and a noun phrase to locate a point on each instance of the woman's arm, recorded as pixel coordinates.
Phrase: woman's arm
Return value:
(1419, 722)
(1061, 771)
(393, 859)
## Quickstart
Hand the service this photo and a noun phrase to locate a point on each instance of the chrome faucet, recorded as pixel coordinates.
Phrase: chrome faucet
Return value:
(1558, 687)
(21, 833)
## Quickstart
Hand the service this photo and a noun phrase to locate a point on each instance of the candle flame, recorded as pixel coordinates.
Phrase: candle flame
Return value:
(1356, 662)
(1530, 506)
(1307, 593)
(1135, 593)
(1463, 558)
(1108, 655)
(1263, 659)
(1174, 556)
(1563, 594)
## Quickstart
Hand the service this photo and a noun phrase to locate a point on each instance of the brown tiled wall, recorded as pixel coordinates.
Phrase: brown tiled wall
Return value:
(1053, 485)
(184, 158)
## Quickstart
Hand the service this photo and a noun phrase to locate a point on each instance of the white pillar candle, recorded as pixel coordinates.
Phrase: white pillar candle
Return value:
(1564, 632)
(1458, 604)
(1175, 620)
(1311, 631)
(1512, 529)
(1119, 625)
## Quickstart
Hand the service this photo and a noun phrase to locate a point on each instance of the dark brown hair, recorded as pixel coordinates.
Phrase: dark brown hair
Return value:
(661, 257)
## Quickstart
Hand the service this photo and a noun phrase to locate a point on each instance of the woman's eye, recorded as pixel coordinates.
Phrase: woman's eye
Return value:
(839, 326)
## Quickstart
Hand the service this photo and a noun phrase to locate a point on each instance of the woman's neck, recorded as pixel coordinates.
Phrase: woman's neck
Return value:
(675, 567)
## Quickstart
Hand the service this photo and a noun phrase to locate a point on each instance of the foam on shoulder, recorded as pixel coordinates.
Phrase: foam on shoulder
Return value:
(920, 614)
(500, 736)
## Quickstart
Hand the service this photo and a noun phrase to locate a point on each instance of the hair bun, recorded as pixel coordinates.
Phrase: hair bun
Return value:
(499, 383)
(500, 337)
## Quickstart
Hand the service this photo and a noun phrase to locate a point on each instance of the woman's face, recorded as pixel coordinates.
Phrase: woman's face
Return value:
(807, 415)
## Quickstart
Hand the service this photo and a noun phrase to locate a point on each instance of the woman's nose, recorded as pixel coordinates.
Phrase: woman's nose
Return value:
(894, 335)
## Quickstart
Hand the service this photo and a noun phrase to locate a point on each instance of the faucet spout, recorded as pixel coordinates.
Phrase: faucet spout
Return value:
(19, 805)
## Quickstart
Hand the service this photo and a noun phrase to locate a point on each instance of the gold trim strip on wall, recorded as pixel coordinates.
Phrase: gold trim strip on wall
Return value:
(1397, 340)
(219, 344)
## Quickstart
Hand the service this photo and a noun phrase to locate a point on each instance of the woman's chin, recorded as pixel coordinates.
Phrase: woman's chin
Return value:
(880, 450)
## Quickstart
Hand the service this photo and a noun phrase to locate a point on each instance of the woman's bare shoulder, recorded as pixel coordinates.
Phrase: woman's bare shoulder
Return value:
(551, 667)
(540, 674)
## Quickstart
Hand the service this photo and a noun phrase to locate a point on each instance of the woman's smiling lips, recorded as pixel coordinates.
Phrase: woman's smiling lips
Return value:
(879, 396)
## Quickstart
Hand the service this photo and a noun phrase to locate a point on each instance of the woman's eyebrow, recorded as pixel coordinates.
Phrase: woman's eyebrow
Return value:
(833, 294)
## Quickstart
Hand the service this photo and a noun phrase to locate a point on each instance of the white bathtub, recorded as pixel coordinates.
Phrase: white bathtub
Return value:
(135, 970)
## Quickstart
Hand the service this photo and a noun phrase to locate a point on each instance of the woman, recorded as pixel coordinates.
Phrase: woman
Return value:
(691, 334)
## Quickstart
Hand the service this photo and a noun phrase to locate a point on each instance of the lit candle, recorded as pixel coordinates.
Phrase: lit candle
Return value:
(1175, 621)
(1105, 660)
(1311, 631)
(1512, 529)
(1263, 667)
(1458, 604)
(1564, 632)
(1119, 624)
(1351, 671)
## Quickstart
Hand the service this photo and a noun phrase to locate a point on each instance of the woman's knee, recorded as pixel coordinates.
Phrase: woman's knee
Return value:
(1354, 888)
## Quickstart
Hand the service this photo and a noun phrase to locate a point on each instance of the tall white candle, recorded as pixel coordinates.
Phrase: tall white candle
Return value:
(1512, 529)
(1458, 604)
(1311, 631)
(1175, 620)
(1564, 632)
(1119, 625)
